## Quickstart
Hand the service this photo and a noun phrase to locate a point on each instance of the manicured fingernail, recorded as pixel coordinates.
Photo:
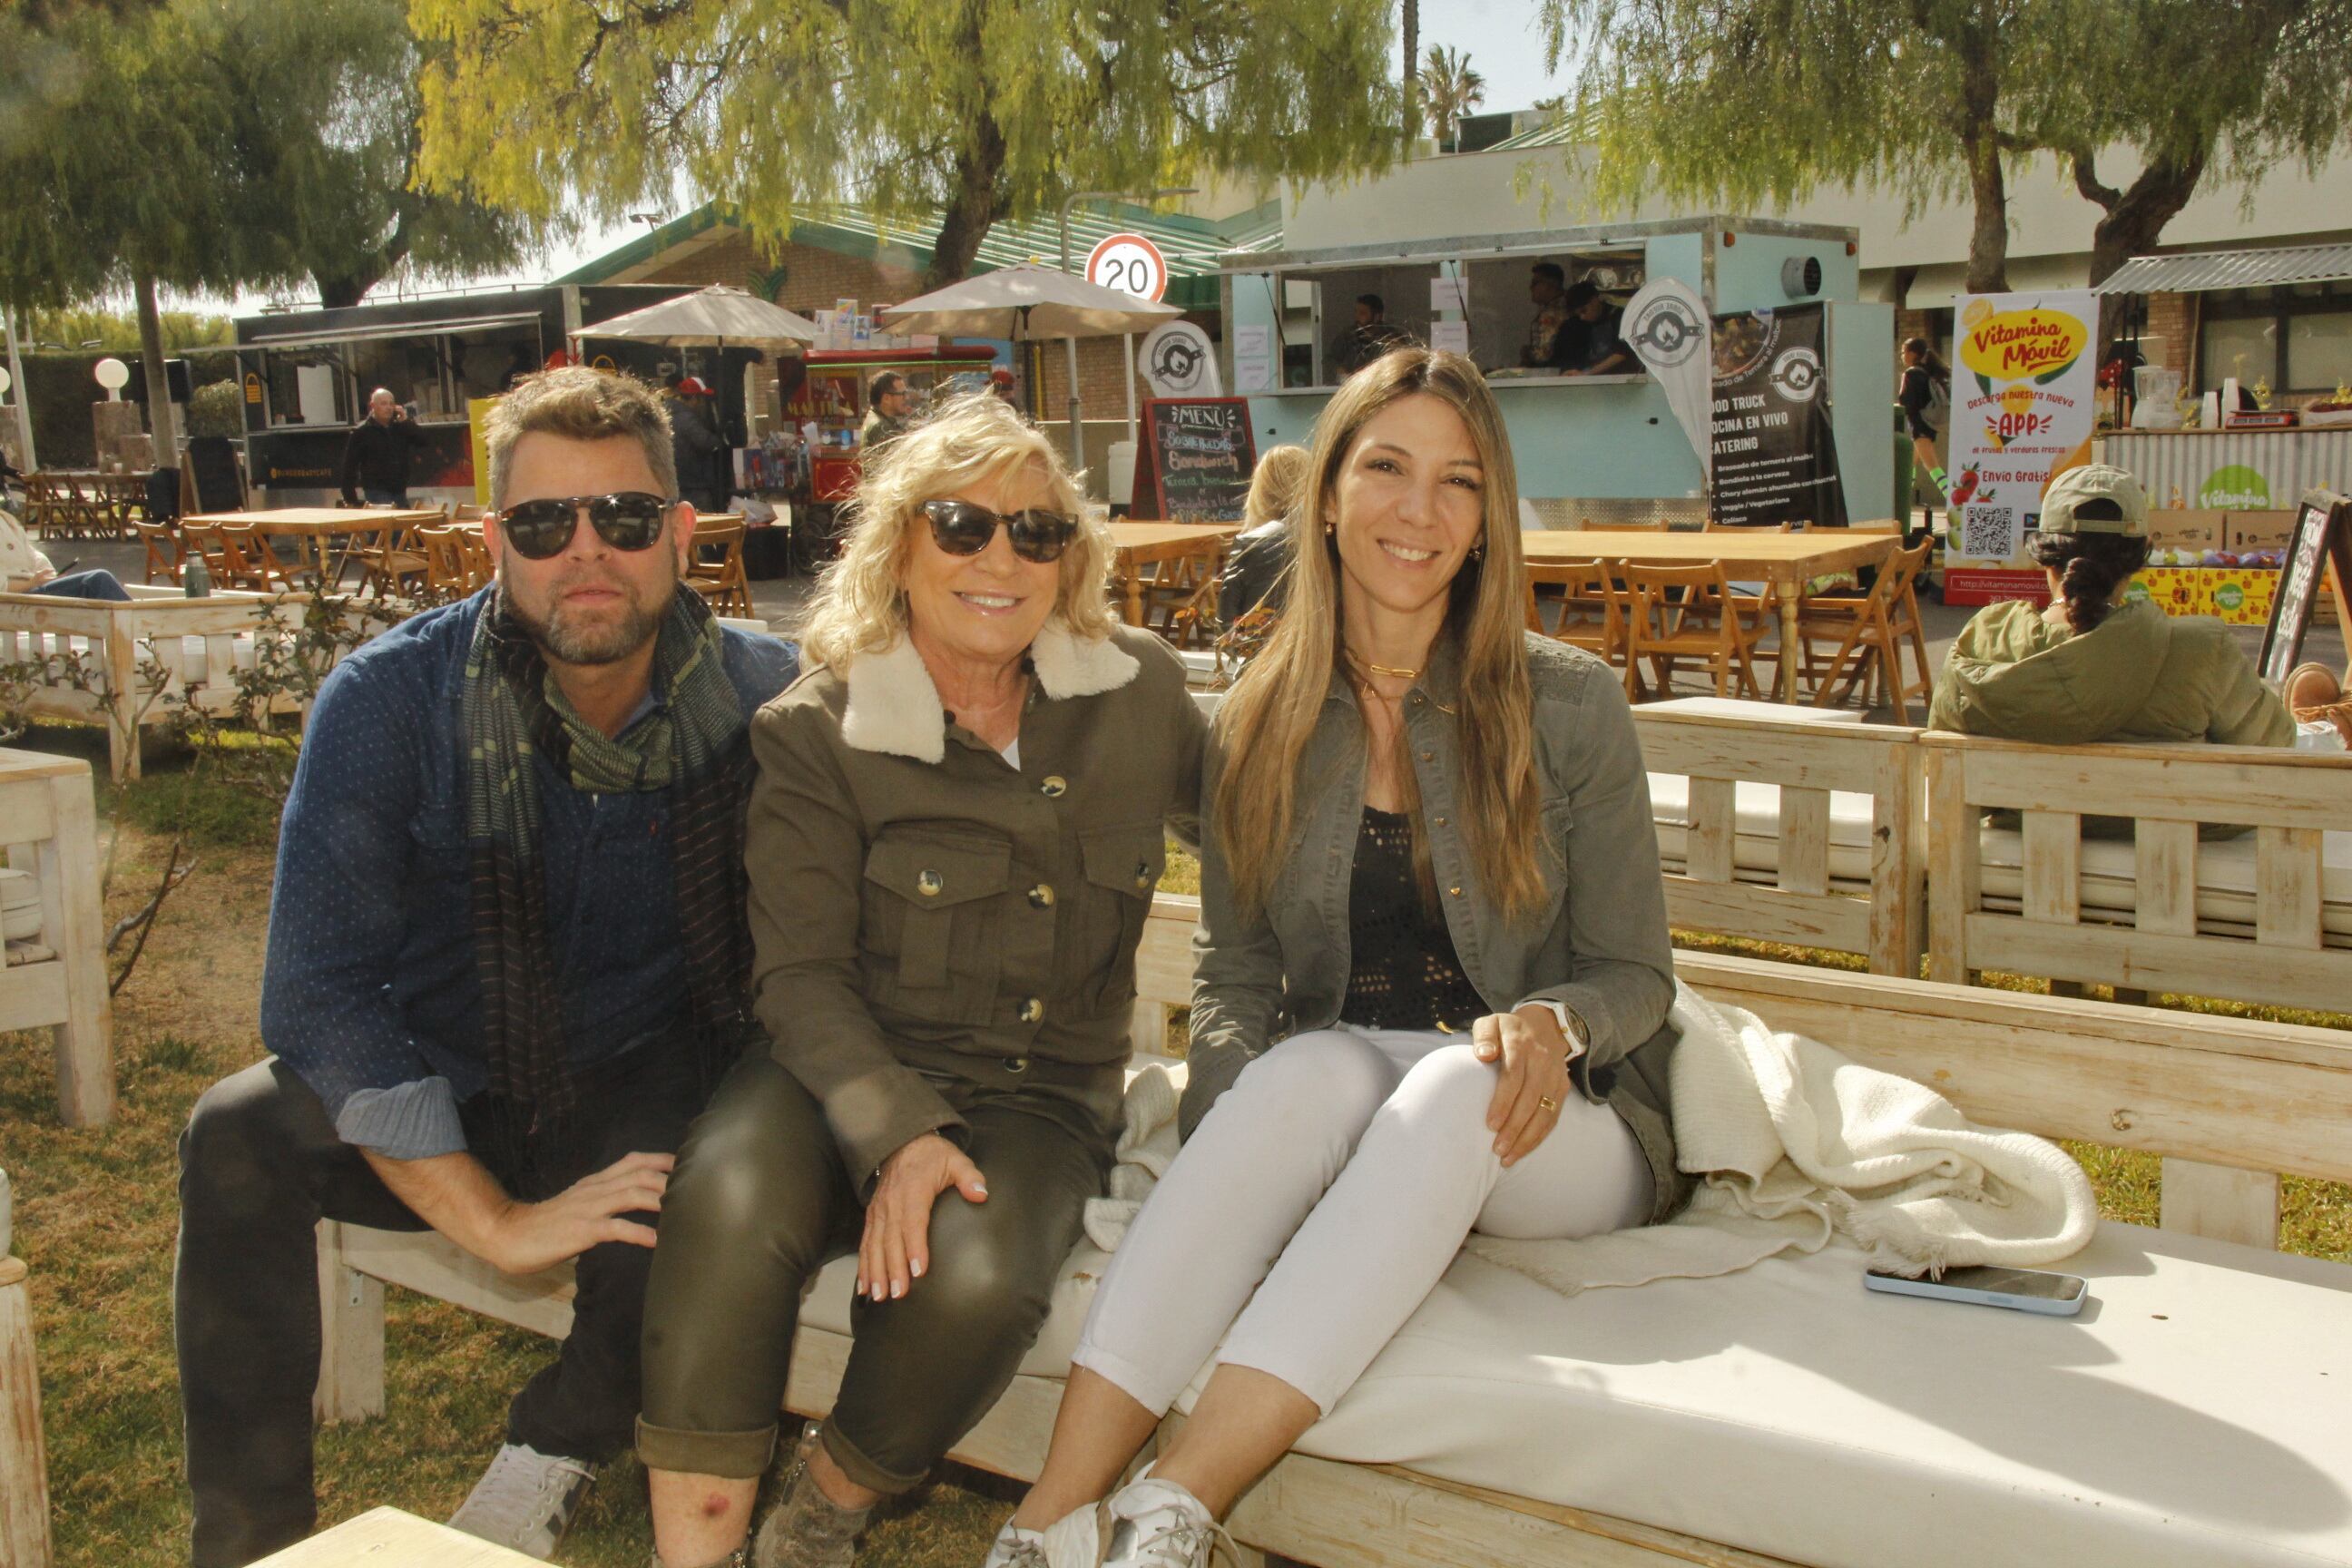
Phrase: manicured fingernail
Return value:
(878, 1292)
(917, 1268)
(898, 1288)
(982, 1189)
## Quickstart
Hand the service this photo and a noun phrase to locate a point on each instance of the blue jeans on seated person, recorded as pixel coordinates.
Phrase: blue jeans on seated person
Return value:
(97, 583)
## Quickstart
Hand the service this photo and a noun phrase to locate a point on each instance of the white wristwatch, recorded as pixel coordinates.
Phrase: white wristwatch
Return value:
(1571, 1026)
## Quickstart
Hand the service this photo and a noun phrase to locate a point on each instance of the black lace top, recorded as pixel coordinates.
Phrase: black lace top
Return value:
(1403, 971)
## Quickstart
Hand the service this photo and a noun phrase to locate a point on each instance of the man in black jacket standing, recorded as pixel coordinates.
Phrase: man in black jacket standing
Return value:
(375, 458)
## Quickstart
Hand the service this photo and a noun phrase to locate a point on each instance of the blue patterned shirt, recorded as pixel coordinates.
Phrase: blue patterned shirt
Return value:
(368, 990)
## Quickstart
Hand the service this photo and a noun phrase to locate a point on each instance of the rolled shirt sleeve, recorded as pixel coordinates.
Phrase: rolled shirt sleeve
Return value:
(336, 923)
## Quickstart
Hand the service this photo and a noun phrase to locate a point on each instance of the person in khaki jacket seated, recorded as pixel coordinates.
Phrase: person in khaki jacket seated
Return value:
(953, 841)
(2095, 666)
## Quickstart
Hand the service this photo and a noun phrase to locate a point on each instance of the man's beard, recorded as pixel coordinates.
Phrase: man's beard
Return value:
(565, 639)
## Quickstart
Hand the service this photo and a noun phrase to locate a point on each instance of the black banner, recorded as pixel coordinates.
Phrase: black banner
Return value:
(1775, 459)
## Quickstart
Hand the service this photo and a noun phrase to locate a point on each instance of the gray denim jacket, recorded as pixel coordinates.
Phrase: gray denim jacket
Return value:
(1600, 946)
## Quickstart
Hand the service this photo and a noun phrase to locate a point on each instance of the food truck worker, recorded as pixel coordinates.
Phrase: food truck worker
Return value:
(375, 458)
(1593, 339)
(887, 403)
(1372, 335)
(1548, 287)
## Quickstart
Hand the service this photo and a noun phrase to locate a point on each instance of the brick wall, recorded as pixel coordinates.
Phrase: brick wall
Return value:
(2170, 338)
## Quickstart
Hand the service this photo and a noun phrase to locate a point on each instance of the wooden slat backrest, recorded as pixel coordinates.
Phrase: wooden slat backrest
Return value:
(1806, 760)
(2292, 799)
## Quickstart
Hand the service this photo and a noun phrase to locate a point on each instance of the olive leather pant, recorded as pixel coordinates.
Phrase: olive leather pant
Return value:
(760, 1201)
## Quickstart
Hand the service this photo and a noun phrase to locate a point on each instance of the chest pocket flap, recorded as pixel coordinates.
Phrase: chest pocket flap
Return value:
(1125, 859)
(926, 881)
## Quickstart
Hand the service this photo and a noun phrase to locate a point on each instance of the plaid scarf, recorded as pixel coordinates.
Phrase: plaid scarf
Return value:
(695, 748)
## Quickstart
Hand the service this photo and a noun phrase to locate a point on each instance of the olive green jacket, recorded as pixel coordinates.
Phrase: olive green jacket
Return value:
(925, 914)
(2138, 675)
(1599, 944)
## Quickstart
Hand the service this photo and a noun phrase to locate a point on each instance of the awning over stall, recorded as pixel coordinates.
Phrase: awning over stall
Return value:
(2197, 272)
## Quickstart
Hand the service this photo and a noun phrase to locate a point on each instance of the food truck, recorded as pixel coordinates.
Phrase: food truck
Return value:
(1604, 448)
(307, 375)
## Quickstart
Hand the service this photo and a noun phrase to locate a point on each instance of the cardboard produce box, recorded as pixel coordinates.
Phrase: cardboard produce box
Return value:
(2178, 590)
(2241, 596)
(2258, 538)
(2176, 528)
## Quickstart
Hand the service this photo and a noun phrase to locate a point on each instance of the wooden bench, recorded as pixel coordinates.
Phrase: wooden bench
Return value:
(2254, 1099)
(23, 1468)
(130, 666)
(55, 978)
(2252, 919)
(1803, 884)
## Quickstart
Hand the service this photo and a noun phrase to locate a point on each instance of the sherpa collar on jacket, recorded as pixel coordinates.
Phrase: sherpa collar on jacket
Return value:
(894, 707)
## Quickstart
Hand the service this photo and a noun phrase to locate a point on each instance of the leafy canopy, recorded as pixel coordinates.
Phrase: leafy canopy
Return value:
(986, 109)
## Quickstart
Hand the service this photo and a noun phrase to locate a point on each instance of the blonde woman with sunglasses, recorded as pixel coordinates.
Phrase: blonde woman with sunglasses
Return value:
(955, 834)
(1431, 984)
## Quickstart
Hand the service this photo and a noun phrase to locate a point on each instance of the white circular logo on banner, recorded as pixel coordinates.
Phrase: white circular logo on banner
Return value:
(1131, 264)
(1797, 375)
(1178, 361)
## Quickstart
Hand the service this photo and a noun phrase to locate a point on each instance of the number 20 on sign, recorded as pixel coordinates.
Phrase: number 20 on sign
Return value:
(1129, 263)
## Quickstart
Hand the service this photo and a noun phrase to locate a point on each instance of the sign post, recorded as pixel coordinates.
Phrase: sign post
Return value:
(2320, 547)
(2022, 397)
(1133, 265)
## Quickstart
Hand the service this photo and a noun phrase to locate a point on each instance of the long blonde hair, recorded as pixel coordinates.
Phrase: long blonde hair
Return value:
(860, 604)
(1274, 487)
(1265, 721)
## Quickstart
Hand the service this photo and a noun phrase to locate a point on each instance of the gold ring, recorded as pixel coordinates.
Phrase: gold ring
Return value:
(1548, 1103)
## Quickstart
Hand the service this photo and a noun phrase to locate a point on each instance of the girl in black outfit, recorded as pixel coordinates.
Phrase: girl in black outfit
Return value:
(1922, 373)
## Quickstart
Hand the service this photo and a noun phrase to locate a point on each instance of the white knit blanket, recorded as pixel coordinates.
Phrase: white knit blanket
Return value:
(1796, 1147)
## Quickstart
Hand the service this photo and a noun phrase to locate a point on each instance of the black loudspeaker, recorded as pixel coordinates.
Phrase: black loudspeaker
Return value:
(176, 378)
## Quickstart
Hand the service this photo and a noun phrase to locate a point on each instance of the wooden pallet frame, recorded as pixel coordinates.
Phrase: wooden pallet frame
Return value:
(2243, 1100)
(1887, 922)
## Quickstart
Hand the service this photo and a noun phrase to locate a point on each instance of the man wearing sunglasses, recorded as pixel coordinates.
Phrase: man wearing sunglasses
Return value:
(506, 966)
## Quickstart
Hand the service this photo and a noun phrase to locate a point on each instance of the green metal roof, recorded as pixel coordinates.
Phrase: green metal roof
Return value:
(1191, 245)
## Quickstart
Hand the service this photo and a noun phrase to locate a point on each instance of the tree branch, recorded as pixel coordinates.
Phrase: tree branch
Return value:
(2086, 179)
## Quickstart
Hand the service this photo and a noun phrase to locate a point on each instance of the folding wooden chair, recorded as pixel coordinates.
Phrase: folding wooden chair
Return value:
(1686, 612)
(164, 552)
(390, 562)
(1869, 632)
(246, 561)
(1588, 611)
(721, 581)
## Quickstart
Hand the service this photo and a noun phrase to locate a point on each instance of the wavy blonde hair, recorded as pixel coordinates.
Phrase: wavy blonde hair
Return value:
(1274, 487)
(1265, 721)
(860, 605)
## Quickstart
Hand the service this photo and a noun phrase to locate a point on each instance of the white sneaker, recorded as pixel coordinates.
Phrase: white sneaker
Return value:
(525, 1500)
(1159, 1524)
(1076, 1541)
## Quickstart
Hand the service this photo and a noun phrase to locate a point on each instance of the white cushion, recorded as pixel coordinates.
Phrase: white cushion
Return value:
(2192, 1416)
(1743, 708)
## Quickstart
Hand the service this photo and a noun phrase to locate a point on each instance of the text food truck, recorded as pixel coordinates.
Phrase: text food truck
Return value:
(1609, 447)
(307, 375)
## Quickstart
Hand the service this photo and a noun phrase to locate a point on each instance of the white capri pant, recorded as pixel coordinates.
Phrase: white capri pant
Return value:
(1337, 1179)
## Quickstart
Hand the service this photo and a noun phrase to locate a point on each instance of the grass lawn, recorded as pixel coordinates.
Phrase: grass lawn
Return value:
(97, 1210)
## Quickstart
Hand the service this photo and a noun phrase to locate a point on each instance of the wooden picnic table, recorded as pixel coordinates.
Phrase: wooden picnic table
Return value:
(387, 1538)
(1785, 561)
(1160, 544)
(314, 529)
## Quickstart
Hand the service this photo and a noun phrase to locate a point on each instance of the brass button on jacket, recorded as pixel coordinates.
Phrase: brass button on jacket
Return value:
(1054, 787)
(1041, 897)
(1032, 1011)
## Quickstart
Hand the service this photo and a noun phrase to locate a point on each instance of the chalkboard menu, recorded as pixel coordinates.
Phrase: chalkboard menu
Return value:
(2322, 542)
(212, 463)
(1197, 459)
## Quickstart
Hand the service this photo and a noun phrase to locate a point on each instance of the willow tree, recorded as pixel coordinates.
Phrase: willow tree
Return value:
(1751, 101)
(975, 111)
(215, 147)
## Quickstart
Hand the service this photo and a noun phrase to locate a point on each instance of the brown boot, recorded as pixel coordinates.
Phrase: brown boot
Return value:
(805, 1529)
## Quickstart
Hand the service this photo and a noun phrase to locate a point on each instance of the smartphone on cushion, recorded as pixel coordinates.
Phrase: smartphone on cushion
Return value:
(2019, 1289)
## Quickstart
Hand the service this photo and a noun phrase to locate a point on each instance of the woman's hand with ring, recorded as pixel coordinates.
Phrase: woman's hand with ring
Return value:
(897, 1246)
(1532, 1054)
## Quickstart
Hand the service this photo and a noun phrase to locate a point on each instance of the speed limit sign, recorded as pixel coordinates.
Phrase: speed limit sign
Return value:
(1129, 263)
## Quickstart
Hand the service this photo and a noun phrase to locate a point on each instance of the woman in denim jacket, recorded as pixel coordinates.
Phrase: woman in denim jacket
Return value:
(1433, 980)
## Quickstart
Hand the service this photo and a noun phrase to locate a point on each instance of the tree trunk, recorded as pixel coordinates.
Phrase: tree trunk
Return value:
(1411, 74)
(974, 207)
(1987, 183)
(160, 420)
(2133, 225)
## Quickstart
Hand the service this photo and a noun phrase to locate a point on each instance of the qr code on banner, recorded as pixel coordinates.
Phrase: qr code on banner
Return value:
(1989, 532)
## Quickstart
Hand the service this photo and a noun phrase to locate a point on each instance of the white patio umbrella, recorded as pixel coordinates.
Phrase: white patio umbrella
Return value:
(1026, 302)
(715, 316)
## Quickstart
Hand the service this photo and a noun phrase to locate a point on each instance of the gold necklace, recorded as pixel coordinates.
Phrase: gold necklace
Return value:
(1394, 674)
